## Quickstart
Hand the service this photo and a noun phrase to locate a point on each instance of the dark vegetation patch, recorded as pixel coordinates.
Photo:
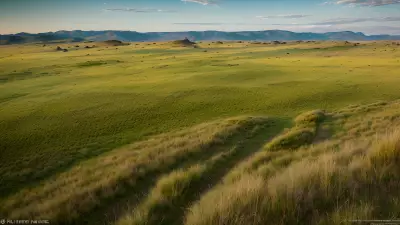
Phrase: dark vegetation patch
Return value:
(61, 49)
(98, 63)
(156, 52)
(229, 65)
(115, 43)
(16, 76)
(185, 42)
(33, 72)
(11, 97)
(160, 67)
(279, 42)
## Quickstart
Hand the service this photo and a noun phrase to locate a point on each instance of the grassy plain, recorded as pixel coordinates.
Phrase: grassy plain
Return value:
(151, 132)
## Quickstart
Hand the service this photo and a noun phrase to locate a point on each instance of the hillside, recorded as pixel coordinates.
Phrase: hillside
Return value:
(227, 133)
(132, 36)
(225, 172)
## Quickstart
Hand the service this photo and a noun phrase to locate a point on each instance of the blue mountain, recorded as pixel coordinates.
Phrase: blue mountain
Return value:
(133, 36)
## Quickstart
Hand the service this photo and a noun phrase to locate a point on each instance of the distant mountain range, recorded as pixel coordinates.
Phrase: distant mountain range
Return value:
(267, 35)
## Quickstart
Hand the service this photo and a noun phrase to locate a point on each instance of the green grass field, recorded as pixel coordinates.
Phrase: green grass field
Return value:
(156, 133)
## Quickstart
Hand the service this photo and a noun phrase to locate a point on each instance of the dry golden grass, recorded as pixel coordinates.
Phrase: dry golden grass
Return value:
(204, 176)
(293, 139)
(310, 118)
(251, 164)
(168, 191)
(358, 182)
(303, 133)
(188, 184)
(169, 195)
(238, 203)
(85, 186)
(365, 121)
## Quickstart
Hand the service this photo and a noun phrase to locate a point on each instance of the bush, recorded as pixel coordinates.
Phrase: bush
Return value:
(310, 118)
(293, 139)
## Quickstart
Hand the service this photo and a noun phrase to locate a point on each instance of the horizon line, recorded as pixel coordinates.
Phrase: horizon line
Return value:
(22, 32)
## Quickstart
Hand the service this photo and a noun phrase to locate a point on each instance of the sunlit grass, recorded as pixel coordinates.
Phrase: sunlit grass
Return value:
(85, 129)
(354, 183)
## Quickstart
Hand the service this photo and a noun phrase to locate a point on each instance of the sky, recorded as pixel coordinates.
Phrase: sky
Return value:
(35, 16)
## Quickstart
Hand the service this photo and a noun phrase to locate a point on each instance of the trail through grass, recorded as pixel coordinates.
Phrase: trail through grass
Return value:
(207, 175)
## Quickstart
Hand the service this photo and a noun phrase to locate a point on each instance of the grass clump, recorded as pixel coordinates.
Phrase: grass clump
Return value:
(292, 140)
(233, 204)
(303, 133)
(249, 165)
(387, 153)
(311, 118)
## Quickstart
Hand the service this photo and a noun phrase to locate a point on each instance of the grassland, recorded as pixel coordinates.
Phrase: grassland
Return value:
(224, 133)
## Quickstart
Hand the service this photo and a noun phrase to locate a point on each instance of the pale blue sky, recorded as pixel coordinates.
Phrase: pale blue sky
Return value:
(368, 16)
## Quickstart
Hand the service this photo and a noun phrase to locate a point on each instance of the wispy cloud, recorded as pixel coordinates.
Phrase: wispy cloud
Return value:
(301, 25)
(203, 2)
(367, 2)
(206, 24)
(215, 24)
(133, 10)
(293, 16)
(357, 20)
(369, 30)
(326, 23)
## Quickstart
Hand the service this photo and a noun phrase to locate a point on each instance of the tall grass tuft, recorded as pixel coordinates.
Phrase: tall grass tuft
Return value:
(357, 182)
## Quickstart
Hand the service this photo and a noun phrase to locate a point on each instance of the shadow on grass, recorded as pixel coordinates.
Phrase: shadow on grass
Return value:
(110, 210)
(13, 185)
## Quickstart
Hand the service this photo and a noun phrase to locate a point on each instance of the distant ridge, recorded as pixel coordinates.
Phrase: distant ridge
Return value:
(133, 36)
